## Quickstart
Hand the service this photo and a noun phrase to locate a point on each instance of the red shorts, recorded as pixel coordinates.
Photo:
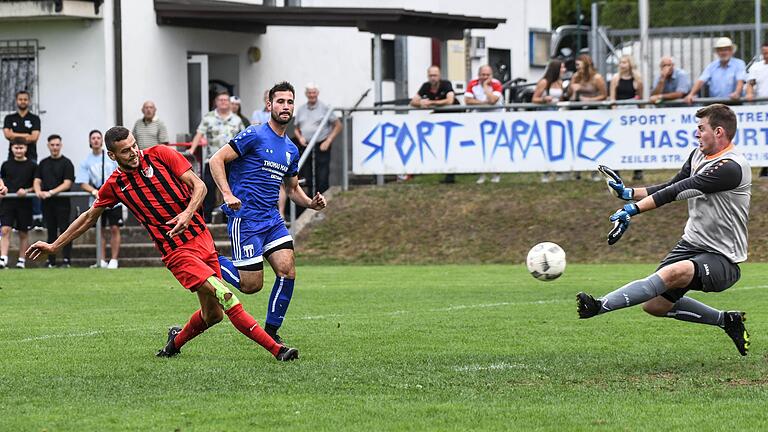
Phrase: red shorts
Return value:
(194, 262)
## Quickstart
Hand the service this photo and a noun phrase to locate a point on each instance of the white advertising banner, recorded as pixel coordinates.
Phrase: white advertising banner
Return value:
(522, 141)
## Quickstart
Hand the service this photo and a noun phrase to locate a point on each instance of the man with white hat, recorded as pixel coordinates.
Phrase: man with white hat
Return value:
(725, 76)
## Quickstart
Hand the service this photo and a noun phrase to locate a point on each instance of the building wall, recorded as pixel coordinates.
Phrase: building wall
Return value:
(73, 80)
(77, 74)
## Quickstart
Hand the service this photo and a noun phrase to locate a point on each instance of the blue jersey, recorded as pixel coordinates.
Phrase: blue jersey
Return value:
(265, 158)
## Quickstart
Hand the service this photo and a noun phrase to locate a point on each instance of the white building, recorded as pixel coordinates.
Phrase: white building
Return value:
(65, 52)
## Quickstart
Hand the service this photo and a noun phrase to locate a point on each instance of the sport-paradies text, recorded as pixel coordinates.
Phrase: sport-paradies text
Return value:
(512, 139)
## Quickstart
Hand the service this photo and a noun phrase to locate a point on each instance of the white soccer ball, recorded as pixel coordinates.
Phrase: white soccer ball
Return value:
(546, 261)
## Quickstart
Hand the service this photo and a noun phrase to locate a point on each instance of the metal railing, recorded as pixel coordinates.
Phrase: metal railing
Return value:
(308, 151)
(31, 195)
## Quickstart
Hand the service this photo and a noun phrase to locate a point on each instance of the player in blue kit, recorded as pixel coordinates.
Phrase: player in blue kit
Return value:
(261, 157)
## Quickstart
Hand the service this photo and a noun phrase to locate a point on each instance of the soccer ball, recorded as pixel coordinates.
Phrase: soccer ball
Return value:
(546, 261)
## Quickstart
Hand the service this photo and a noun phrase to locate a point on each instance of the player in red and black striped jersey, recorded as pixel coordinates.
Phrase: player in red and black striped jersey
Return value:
(159, 187)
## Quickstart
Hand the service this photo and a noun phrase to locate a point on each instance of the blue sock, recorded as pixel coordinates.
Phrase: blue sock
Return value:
(279, 299)
(229, 272)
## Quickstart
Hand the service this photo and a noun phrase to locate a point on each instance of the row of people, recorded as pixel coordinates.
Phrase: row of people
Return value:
(47, 180)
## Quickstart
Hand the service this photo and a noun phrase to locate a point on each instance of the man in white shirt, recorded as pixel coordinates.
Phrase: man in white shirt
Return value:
(757, 84)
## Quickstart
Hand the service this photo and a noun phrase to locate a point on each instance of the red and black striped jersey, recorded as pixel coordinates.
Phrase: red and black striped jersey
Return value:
(155, 194)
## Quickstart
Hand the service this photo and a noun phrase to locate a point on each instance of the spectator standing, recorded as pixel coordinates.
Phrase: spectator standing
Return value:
(725, 76)
(261, 117)
(237, 109)
(54, 175)
(16, 174)
(757, 84)
(672, 83)
(217, 127)
(484, 90)
(433, 93)
(25, 126)
(22, 124)
(627, 84)
(308, 120)
(149, 130)
(549, 91)
(92, 172)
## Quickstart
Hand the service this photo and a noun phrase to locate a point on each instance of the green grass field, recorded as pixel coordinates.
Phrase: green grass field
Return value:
(382, 348)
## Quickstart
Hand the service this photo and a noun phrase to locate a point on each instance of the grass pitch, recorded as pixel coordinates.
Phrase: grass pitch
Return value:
(382, 348)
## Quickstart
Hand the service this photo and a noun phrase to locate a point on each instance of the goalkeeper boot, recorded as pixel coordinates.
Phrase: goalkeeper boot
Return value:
(287, 354)
(170, 348)
(733, 324)
(586, 305)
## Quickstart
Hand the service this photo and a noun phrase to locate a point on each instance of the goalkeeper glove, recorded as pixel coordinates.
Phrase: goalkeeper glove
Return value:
(620, 221)
(615, 184)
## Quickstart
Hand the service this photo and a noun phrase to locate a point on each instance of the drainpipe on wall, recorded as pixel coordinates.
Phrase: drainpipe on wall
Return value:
(117, 24)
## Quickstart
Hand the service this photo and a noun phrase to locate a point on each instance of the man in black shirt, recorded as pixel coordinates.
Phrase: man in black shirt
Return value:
(434, 93)
(54, 175)
(22, 124)
(18, 174)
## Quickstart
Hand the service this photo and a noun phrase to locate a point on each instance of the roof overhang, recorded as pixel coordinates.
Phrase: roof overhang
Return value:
(249, 18)
(50, 9)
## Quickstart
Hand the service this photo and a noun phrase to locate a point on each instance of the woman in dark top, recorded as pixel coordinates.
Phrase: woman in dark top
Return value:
(627, 83)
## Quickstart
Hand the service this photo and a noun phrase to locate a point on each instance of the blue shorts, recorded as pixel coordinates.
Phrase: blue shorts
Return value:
(252, 240)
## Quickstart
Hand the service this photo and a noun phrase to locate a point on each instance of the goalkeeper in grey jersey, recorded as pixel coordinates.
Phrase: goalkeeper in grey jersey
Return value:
(716, 181)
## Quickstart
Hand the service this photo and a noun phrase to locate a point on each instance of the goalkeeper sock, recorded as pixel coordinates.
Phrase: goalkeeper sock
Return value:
(192, 328)
(279, 299)
(633, 293)
(229, 272)
(688, 309)
(244, 322)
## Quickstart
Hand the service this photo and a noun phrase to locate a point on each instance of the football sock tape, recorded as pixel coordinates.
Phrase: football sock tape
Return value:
(226, 298)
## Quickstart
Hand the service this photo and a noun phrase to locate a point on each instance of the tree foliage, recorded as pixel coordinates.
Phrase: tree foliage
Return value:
(663, 13)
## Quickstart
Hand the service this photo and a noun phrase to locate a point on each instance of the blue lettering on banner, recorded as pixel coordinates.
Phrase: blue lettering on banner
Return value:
(543, 141)
(518, 137)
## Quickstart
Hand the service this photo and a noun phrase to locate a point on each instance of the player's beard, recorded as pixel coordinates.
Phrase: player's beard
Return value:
(278, 120)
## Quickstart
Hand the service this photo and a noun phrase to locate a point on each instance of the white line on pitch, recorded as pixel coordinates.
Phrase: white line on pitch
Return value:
(67, 335)
(443, 309)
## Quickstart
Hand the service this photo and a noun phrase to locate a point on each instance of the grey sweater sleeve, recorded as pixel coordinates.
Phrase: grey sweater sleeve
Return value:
(721, 176)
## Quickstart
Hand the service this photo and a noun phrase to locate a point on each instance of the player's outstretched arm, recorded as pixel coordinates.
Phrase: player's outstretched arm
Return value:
(617, 187)
(197, 190)
(217, 164)
(83, 222)
(297, 195)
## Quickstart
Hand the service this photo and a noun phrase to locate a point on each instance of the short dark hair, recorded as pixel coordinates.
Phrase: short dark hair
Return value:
(115, 134)
(222, 92)
(93, 132)
(21, 92)
(719, 115)
(52, 137)
(19, 141)
(281, 86)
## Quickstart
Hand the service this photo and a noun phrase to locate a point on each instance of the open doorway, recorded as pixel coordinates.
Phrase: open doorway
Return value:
(207, 75)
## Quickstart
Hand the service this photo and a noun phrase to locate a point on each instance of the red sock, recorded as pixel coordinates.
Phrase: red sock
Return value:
(192, 328)
(248, 326)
